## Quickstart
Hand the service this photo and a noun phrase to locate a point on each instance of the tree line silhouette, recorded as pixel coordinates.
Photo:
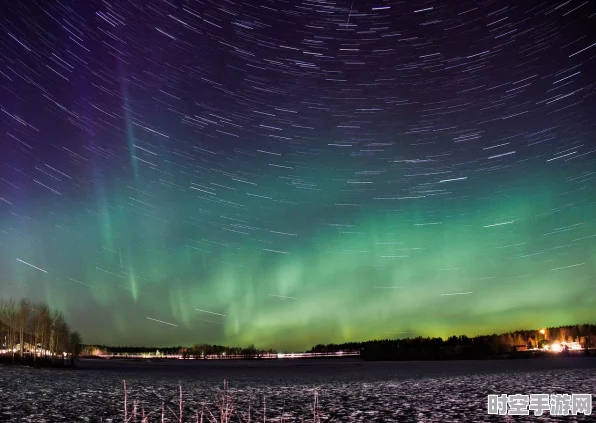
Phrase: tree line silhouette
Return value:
(196, 351)
(203, 350)
(33, 332)
(419, 348)
(464, 347)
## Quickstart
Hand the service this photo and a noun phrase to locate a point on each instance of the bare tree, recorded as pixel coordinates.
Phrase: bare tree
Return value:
(30, 325)
(63, 341)
(41, 321)
(54, 319)
(59, 332)
(75, 344)
(8, 316)
(23, 311)
(4, 328)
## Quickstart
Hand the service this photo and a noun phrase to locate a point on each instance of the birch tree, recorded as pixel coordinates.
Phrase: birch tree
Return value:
(23, 311)
(8, 313)
(41, 322)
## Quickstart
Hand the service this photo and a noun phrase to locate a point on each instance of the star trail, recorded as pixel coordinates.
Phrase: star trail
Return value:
(287, 173)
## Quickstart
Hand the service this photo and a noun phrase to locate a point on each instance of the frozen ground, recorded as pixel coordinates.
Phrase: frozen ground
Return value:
(349, 390)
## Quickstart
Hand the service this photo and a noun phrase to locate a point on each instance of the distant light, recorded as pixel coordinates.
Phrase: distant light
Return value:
(556, 347)
(542, 331)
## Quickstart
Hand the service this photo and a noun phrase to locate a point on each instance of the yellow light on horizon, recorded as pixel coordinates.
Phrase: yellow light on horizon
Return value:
(542, 331)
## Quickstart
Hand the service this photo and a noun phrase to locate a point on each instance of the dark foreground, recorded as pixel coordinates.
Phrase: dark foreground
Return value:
(39, 362)
(312, 369)
(350, 390)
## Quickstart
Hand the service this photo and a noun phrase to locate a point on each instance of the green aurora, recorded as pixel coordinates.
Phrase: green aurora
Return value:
(296, 266)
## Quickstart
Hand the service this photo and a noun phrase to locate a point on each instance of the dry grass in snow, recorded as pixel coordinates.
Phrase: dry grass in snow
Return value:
(225, 411)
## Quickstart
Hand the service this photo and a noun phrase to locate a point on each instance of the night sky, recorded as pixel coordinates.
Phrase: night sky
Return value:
(287, 173)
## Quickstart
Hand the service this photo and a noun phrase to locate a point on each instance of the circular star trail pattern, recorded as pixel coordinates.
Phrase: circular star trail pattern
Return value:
(297, 172)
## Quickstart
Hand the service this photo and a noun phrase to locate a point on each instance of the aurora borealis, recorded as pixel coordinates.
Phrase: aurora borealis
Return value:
(298, 172)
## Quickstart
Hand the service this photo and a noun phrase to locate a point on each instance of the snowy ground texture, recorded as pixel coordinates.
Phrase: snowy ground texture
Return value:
(348, 390)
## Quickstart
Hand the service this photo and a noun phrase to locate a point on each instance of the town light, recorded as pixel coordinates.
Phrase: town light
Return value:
(556, 347)
(542, 331)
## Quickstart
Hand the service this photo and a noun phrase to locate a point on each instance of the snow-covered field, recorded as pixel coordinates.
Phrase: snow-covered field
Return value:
(348, 390)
